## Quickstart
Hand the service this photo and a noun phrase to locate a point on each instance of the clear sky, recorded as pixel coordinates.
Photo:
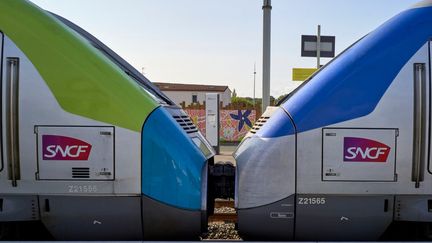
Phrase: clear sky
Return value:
(218, 41)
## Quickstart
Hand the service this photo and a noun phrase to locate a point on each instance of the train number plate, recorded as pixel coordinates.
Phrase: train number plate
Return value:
(82, 189)
(311, 200)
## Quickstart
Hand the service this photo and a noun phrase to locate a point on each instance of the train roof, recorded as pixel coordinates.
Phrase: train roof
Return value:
(84, 80)
(119, 61)
(353, 83)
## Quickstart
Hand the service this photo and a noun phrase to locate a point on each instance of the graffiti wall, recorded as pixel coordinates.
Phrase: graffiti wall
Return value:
(235, 124)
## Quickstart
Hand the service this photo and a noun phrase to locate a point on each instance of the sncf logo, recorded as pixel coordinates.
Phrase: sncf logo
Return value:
(64, 148)
(365, 150)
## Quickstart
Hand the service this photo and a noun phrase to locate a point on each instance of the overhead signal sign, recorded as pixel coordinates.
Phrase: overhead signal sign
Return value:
(309, 46)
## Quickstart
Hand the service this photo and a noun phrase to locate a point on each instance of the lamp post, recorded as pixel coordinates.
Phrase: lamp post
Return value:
(254, 73)
(266, 53)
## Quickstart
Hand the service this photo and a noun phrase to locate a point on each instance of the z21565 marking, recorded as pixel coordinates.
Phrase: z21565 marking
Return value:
(311, 200)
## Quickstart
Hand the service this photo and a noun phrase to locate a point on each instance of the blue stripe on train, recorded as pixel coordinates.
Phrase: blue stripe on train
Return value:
(352, 85)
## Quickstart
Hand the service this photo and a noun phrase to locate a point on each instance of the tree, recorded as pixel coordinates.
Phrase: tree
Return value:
(241, 101)
(234, 93)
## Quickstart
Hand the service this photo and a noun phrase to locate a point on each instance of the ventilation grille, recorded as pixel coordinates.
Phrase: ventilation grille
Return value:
(186, 123)
(258, 124)
(80, 173)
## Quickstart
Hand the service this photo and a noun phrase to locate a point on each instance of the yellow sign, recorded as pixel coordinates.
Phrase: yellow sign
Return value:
(301, 74)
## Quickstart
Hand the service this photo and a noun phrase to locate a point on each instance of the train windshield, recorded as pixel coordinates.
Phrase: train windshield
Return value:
(120, 62)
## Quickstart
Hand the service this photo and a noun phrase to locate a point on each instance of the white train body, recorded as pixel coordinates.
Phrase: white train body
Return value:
(89, 148)
(348, 154)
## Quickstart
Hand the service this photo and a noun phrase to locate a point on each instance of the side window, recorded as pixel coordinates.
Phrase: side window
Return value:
(194, 98)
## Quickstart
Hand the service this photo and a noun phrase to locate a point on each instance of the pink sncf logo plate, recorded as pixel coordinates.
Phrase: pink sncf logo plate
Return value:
(365, 150)
(64, 148)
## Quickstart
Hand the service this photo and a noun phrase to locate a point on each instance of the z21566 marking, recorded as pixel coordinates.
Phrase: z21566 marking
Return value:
(311, 200)
(82, 189)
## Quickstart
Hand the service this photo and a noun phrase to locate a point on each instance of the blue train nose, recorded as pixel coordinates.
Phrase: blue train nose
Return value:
(174, 179)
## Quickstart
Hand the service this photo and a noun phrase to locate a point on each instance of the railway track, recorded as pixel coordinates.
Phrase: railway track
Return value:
(224, 203)
(228, 215)
(223, 217)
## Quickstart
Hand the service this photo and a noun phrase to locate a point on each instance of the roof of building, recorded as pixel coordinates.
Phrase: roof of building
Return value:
(190, 87)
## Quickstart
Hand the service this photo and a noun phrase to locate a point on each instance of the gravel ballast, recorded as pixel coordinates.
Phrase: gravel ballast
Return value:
(221, 231)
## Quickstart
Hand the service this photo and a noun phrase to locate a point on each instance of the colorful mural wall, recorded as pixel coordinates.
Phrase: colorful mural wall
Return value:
(235, 124)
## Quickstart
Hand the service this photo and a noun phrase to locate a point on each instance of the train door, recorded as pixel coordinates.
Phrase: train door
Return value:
(9, 133)
(13, 207)
(418, 207)
(427, 78)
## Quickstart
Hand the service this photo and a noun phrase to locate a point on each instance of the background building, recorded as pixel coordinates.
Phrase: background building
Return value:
(194, 93)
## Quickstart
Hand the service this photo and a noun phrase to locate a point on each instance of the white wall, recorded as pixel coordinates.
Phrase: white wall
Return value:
(179, 96)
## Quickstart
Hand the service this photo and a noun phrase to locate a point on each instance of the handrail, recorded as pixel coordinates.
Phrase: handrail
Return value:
(420, 116)
(12, 80)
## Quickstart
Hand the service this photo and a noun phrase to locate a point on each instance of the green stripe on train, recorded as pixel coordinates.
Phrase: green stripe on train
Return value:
(83, 80)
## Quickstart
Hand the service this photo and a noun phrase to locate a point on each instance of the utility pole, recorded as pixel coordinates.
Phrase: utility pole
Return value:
(254, 73)
(319, 47)
(266, 53)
